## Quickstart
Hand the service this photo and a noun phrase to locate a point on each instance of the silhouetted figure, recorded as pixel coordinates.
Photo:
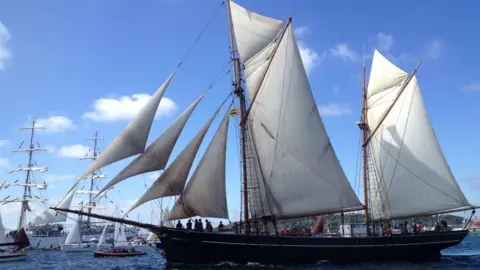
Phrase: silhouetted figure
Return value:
(189, 225)
(200, 225)
(196, 227)
(444, 225)
(220, 226)
(437, 227)
(179, 225)
(208, 226)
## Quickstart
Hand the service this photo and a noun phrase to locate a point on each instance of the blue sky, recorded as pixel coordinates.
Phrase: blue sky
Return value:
(59, 58)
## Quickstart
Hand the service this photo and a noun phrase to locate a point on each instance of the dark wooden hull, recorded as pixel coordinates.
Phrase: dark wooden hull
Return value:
(188, 247)
(113, 254)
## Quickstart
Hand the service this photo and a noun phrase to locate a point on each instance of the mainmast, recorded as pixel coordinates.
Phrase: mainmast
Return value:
(27, 192)
(90, 206)
(237, 85)
(364, 127)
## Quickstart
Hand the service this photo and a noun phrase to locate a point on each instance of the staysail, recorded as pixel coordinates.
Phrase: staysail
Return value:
(172, 181)
(205, 193)
(409, 174)
(133, 138)
(50, 215)
(157, 154)
(300, 171)
(119, 237)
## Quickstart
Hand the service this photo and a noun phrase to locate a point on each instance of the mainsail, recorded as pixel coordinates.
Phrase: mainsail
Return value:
(205, 193)
(172, 181)
(157, 154)
(300, 173)
(133, 139)
(408, 173)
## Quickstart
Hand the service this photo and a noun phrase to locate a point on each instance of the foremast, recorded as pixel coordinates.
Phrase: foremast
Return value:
(27, 186)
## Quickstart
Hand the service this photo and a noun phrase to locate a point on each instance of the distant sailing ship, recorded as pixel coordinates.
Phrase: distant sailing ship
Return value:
(289, 167)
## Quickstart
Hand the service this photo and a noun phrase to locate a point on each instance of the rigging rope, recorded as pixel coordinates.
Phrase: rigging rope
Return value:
(200, 35)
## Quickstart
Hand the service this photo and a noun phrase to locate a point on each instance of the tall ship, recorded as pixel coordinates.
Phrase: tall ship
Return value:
(43, 230)
(289, 167)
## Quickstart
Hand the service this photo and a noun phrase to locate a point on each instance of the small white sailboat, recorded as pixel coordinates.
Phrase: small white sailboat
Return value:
(74, 243)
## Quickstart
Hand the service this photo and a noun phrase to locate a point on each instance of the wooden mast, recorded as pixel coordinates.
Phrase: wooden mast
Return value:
(241, 97)
(364, 128)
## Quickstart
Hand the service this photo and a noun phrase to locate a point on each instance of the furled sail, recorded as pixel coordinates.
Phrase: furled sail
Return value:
(172, 181)
(253, 31)
(205, 193)
(157, 154)
(50, 215)
(74, 236)
(300, 173)
(133, 138)
(408, 171)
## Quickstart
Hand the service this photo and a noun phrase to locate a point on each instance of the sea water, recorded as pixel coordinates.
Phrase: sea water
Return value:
(463, 256)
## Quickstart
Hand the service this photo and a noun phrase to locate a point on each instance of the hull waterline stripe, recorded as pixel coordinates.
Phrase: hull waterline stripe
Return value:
(323, 246)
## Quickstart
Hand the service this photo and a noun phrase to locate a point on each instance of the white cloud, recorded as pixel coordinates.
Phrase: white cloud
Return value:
(343, 51)
(4, 162)
(310, 57)
(302, 31)
(125, 108)
(434, 49)
(4, 51)
(74, 151)
(334, 110)
(473, 87)
(384, 43)
(58, 177)
(54, 124)
(4, 143)
(50, 148)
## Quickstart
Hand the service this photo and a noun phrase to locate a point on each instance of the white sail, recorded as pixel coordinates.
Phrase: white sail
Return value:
(252, 31)
(133, 138)
(101, 241)
(205, 193)
(384, 75)
(74, 236)
(157, 154)
(301, 174)
(50, 215)
(119, 237)
(2, 230)
(152, 237)
(408, 171)
(172, 181)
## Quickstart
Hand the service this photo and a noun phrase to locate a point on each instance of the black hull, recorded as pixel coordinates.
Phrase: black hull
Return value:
(188, 247)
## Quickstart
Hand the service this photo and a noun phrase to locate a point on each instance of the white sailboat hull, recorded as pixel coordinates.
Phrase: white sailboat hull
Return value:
(10, 257)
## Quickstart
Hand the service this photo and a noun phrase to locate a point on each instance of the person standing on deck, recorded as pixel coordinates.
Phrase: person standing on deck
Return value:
(189, 224)
(208, 226)
(200, 225)
(220, 226)
(179, 225)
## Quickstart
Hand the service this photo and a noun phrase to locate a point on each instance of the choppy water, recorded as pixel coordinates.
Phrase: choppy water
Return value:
(463, 256)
